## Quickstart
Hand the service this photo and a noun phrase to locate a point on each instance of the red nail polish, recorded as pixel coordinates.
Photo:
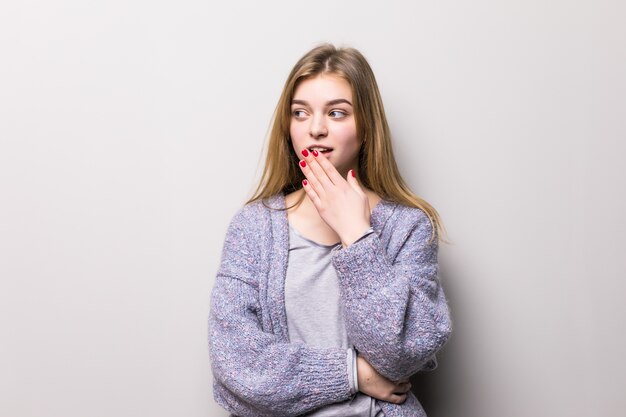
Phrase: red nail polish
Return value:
(303, 163)
(354, 176)
(315, 153)
(304, 182)
(305, 152)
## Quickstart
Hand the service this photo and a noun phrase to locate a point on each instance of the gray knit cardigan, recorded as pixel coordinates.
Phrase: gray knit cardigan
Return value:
(397, 315)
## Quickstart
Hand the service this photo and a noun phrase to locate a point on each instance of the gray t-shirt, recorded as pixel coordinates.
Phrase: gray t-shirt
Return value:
(315, 316)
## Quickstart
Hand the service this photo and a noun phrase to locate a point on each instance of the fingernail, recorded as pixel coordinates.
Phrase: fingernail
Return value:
(305, 152)
(352, 171)
(303, 163)
(315, 153)
(304, 182)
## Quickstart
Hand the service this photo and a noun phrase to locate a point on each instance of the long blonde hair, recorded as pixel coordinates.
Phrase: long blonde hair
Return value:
(377, 166)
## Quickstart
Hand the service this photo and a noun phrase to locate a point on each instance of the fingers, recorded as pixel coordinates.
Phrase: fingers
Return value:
(397, 399)
(400, 393)
(351, 179)
(379, 387)
(306, 186)
(322, 168)
(314, 171)
(312, 185)
(328, 167)
(402, 388)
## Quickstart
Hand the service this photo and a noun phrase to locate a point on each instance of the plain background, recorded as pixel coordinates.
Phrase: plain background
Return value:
(131, 131)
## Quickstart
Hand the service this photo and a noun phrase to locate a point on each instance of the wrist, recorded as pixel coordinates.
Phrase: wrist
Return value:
(355, 237)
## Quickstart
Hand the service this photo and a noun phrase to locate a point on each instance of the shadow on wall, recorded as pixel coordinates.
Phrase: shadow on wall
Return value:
(430, 390)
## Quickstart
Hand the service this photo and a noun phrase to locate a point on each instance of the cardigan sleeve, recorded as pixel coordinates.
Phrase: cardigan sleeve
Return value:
(254, 373)
(397, 313)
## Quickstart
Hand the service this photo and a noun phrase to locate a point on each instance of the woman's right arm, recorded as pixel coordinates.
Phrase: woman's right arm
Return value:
(254, 373)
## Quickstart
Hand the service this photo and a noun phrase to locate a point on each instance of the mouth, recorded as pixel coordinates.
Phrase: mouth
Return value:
(321, 149)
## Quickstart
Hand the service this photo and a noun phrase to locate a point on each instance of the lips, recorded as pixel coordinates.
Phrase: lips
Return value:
(322, 149)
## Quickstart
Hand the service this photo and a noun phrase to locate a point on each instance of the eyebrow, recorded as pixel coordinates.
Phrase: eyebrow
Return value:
(328, 103)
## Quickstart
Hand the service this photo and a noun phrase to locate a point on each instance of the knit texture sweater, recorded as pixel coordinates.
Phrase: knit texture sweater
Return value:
(397, 315)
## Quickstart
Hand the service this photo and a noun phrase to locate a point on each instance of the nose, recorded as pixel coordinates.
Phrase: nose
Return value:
(318, 127)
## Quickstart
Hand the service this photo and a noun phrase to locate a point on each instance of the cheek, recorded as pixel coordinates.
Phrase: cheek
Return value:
(297, 132)
(347, 134)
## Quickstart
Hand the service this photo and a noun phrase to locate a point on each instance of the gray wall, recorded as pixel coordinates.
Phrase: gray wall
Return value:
(131, 131)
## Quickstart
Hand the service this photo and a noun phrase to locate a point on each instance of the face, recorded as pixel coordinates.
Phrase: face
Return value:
(322, 115)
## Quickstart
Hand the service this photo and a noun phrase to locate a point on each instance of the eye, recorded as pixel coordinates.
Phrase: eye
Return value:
(298, 114)
(338, 114)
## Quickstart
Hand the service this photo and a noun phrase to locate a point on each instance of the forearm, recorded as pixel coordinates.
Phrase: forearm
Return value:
(262, 374)
(396, 317)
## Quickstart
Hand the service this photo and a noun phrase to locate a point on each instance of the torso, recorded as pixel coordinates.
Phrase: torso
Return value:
(307, 221)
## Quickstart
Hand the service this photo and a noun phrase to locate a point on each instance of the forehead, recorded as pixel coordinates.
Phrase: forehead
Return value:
(323, 87)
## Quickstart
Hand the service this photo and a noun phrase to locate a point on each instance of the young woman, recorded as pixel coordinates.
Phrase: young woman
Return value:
(327, 298)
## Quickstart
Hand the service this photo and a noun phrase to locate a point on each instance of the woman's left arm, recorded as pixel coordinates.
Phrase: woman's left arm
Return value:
(397, 314)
